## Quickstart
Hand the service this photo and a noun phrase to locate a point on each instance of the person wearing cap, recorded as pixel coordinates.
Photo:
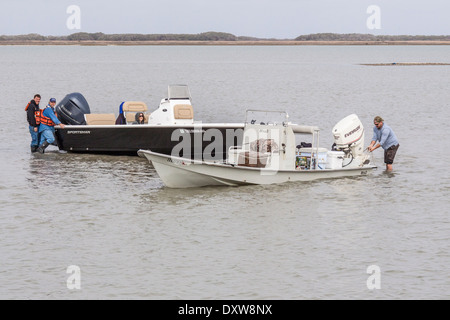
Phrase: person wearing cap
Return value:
(47, 126)
(387, 140)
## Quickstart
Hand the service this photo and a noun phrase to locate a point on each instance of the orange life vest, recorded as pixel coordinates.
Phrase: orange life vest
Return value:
(45, 120)
(37, 113)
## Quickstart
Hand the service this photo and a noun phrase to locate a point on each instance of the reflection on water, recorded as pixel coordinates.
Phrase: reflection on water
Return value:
(74, 170)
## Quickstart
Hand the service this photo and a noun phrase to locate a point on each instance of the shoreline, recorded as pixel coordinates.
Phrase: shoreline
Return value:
(219, 43)
(405, 64)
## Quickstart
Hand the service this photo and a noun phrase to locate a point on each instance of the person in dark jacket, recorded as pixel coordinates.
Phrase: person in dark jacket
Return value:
(121, 118)
(33, 121)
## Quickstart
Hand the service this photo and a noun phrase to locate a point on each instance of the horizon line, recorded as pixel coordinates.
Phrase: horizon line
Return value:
(228, 33)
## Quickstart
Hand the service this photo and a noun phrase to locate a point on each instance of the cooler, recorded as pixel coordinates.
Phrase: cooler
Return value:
(335, 159)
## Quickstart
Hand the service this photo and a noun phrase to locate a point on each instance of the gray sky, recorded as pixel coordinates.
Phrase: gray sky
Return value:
(260, 18)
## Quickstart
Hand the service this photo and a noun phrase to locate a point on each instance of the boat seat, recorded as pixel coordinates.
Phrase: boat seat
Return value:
(100, 118)
(252, 159)
(134, 106)
(264, 145)
(130, 117)
(130, 108)
(183, 111)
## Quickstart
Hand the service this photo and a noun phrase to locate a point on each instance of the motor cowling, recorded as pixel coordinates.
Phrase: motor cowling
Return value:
(72, 108)
(349, 135)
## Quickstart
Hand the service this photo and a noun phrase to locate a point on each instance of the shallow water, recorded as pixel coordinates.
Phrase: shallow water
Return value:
(132, 238)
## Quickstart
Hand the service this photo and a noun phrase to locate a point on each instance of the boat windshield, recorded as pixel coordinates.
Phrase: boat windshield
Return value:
(266, 117)
(179, 92)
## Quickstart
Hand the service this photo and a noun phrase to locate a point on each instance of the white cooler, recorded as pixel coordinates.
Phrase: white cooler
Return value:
(335, 159)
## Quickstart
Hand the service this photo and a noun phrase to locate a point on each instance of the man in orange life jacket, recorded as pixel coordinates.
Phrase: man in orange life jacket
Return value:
(47, 126)
(33, 117)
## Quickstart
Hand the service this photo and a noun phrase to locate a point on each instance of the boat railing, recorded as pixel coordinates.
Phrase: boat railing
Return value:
(315, 149)
(315, 133)
(266, 117)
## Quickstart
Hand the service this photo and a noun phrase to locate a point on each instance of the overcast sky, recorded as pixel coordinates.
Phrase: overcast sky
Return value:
(260, 18)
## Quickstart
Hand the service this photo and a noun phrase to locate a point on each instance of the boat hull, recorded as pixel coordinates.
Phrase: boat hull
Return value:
(128, 139)
(177, 172)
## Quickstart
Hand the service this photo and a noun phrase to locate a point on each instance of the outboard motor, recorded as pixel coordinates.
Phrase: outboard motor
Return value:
(72, 108)
(349, 137)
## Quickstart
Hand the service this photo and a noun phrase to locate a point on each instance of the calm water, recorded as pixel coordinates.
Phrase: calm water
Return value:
(132, 238)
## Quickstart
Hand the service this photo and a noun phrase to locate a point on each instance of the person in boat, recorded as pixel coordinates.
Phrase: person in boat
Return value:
(33, 118)
(387, 140)
(140, 118)
(47, 126)
(121, 117)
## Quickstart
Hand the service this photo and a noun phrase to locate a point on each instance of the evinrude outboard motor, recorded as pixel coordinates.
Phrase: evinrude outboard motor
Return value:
(72, 108)
(349, 137)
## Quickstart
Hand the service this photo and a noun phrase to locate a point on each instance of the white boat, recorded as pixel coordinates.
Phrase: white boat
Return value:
(269, 154)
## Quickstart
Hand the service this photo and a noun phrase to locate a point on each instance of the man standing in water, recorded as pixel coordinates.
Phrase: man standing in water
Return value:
(387, 140)
(33, 117)
(46, 128)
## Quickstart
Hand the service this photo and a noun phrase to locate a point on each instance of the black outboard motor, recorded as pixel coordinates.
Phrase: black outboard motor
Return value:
(72, 108)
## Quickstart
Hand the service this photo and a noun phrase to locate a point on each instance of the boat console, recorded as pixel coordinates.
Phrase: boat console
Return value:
(175, 109)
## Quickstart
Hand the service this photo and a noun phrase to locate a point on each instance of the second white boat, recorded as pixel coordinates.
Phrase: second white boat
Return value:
(269, 155)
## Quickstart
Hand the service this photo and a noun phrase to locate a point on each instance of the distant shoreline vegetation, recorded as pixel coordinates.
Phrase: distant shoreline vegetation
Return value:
(215, 37)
